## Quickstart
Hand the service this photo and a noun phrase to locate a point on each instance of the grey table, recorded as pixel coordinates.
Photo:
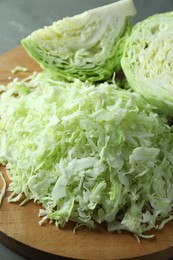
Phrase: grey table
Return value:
(18, 18)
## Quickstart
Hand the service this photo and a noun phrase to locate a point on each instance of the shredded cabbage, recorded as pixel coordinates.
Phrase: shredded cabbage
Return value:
(87, 153)
(18, 69)
(147, 60)
(87, 46)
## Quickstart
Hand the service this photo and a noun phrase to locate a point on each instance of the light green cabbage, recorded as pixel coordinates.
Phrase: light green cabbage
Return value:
(87, 153)
(87, 46)
(147, 60)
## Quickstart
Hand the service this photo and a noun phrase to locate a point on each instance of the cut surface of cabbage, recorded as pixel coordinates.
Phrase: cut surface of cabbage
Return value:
(147, 60)
(87, 46)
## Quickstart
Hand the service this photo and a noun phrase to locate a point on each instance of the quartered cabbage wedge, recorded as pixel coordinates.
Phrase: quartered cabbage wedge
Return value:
(87, 46)
(148, 60)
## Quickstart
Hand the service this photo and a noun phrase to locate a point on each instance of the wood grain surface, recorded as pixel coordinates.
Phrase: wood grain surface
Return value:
(19, 228)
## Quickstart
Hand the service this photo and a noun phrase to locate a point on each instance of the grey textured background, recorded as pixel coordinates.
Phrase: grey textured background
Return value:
(18, 18)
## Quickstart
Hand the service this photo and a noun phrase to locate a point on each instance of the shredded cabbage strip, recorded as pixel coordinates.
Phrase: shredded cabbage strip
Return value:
(3, 189)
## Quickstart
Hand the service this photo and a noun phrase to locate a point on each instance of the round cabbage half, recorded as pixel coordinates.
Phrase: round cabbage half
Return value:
(148, 60)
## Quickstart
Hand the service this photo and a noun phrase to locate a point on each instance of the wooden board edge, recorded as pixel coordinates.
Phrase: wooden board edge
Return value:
(35, 254)
(27, 251)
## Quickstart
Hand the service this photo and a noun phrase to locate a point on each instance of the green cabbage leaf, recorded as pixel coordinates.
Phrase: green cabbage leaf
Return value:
(147, 60)
(87, 153)
(87, 46)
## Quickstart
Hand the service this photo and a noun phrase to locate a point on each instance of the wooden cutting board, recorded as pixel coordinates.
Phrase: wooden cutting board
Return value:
(19, 227)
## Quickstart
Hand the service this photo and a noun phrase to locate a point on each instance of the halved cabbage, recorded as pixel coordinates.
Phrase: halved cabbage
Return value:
(148, 60)
(87, 46)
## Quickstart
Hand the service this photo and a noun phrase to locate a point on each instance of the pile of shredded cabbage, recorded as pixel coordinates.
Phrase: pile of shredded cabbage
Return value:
(87, 153)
